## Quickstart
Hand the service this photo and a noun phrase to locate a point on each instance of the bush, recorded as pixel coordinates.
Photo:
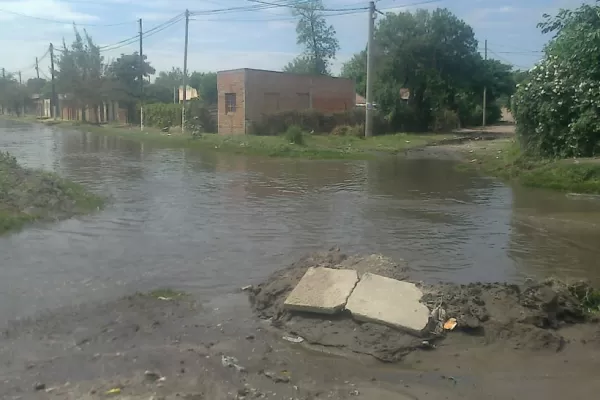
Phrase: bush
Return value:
(294, 135)
(315, 122)
(198, 117)
(557, 108)
(445, 120)
(347, 130)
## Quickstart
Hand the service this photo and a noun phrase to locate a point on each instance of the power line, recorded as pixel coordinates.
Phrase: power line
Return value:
(148, 33)
(56, 21)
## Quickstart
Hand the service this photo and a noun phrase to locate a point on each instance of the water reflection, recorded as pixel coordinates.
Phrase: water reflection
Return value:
(213, 222)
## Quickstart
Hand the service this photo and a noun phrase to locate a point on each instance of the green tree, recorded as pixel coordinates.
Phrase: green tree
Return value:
(206, 85)
(123, 81)
(316, 36)
(14, 97)
(170, 79)
(300, 65)
(36, 85)
(81, 73)
(557, 106)
(356, 69)
(123, 76)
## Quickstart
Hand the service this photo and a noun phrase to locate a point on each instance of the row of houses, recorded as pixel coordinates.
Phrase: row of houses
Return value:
(108, 111)
(245, 96)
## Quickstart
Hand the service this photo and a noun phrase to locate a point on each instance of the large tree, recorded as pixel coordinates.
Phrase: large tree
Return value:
(434, 55)
(206, 85)
(123, 76)
(81, 73)
(316, 36)
(300, 65)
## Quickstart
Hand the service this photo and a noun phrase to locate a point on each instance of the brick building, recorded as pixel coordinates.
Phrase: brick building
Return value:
(245, 95)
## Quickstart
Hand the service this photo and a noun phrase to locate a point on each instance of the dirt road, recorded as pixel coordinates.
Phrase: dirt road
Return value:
(144, 347)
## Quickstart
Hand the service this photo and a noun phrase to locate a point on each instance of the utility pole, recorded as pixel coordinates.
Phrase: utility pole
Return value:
(53, 105)
(141, 79)
(23, 99)
(485, 87)
(185, 56)
(37, 68)
(369, 105)
(3, 73)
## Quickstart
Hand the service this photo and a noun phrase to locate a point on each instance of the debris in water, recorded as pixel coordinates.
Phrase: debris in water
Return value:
(164, 298)
(297, 339)
(229, 362)
(152, 376)
(113, 391)
(246, 288)
(450, 324)
(39, 386)
(283, 377)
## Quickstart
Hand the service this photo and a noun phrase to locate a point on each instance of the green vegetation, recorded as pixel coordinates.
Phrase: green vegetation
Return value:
(294, 135)
(557, 106)
(445, 82)
(164, 294)
(506, 160)
(314, 147)
(317, 38)
(27, 196)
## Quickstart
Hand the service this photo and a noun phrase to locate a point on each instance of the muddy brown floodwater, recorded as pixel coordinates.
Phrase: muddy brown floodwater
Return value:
(209, 223)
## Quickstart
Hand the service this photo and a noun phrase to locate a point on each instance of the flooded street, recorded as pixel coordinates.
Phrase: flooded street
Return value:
(211, 222)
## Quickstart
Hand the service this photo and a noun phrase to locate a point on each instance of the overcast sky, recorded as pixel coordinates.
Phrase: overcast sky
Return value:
(258, 39)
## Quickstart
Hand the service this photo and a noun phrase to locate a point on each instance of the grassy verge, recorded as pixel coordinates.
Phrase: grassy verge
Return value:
(314, 146)
(27, 196)
(504, 159)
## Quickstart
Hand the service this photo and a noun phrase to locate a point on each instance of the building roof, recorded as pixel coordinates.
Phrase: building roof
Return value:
(279, 72)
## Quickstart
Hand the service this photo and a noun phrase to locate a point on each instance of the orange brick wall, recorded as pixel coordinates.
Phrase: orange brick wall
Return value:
(231, 82)
(267, 92)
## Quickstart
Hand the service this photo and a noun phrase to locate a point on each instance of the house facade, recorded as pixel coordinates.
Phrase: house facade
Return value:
(246, 95)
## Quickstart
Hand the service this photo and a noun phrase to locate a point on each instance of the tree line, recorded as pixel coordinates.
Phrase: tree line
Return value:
(432, 55)
(88, 79)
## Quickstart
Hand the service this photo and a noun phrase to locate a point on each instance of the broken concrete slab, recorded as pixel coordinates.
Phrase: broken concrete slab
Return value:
(322, 290)
(389, 302)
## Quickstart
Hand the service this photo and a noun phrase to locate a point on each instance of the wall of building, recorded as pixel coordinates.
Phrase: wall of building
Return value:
(231, 83)
(269, 92)
(260, 92)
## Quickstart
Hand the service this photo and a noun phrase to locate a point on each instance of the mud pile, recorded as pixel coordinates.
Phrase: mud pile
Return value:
(524, 316)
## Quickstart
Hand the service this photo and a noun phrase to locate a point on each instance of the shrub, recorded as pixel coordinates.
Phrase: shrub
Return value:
(198, 116)
(557, 108)
(341, 130)
(315, 122)
(445, 120)
(294, 135)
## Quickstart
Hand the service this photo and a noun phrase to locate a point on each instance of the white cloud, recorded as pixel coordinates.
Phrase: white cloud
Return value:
(51, 9)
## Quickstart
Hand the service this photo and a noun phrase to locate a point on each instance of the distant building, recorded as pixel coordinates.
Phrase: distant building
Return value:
(190, 93)
(246, 95)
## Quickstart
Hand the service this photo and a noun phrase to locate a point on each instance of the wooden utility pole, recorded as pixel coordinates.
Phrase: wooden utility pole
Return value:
(3, 73)
(369, 105)
(185, 57)
(485, 88)
(23, 99)
(20, 80)
(53, 101)
(37, 68)
(141, 79)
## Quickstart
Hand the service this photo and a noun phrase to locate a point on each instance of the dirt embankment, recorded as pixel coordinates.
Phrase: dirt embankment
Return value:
(528, 316)
(28, 195)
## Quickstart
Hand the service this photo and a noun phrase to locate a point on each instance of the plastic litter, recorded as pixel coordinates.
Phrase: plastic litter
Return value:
(450, 324)
(113, 391)
(297, 339)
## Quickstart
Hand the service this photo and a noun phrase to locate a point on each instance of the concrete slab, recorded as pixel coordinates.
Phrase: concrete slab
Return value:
(322, 290)
(389, 302)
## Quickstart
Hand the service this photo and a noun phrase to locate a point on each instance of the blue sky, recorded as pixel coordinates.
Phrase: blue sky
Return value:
(258, 39)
